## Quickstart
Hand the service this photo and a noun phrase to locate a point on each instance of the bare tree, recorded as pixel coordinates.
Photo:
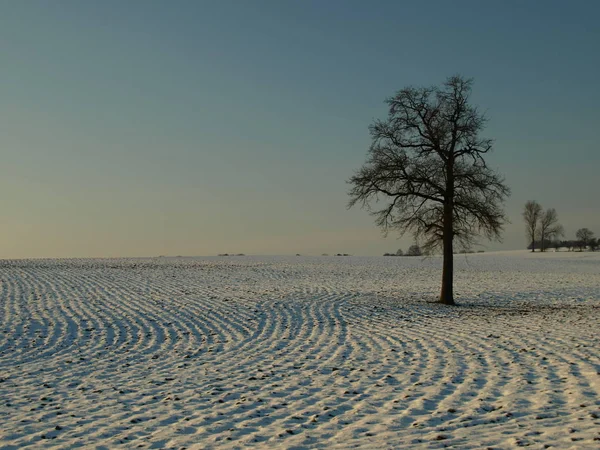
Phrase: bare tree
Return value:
(532, 213)
(584, 236)
(549, 227)
(426, 164)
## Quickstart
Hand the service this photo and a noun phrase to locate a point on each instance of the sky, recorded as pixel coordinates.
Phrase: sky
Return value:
(147, 128)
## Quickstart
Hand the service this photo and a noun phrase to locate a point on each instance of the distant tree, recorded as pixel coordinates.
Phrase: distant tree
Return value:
(555, 244)
(594, 244)
(414, 250)
(531, 214)
(549, 228)
(584, 235)
(399, 252)
(427, 160)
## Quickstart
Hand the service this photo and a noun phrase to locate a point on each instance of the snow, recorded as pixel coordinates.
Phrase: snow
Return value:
(300, 352)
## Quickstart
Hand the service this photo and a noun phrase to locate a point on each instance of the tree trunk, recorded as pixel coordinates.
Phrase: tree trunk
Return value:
(447, 295)
(542, 248)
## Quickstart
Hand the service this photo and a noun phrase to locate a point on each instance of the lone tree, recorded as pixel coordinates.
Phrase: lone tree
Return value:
(584, 236)
(425, 172)
(532, 213)
(550, 229)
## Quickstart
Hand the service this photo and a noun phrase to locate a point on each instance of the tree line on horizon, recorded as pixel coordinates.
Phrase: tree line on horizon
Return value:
(544, 231)
(413, 250)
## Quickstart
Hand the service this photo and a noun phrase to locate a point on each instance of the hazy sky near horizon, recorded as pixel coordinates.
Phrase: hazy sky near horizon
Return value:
(144, 128)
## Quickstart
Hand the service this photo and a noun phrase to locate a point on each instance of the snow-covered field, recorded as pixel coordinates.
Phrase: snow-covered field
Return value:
(300, 352)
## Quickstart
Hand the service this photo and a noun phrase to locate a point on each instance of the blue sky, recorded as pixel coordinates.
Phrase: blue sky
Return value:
(145, 128)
